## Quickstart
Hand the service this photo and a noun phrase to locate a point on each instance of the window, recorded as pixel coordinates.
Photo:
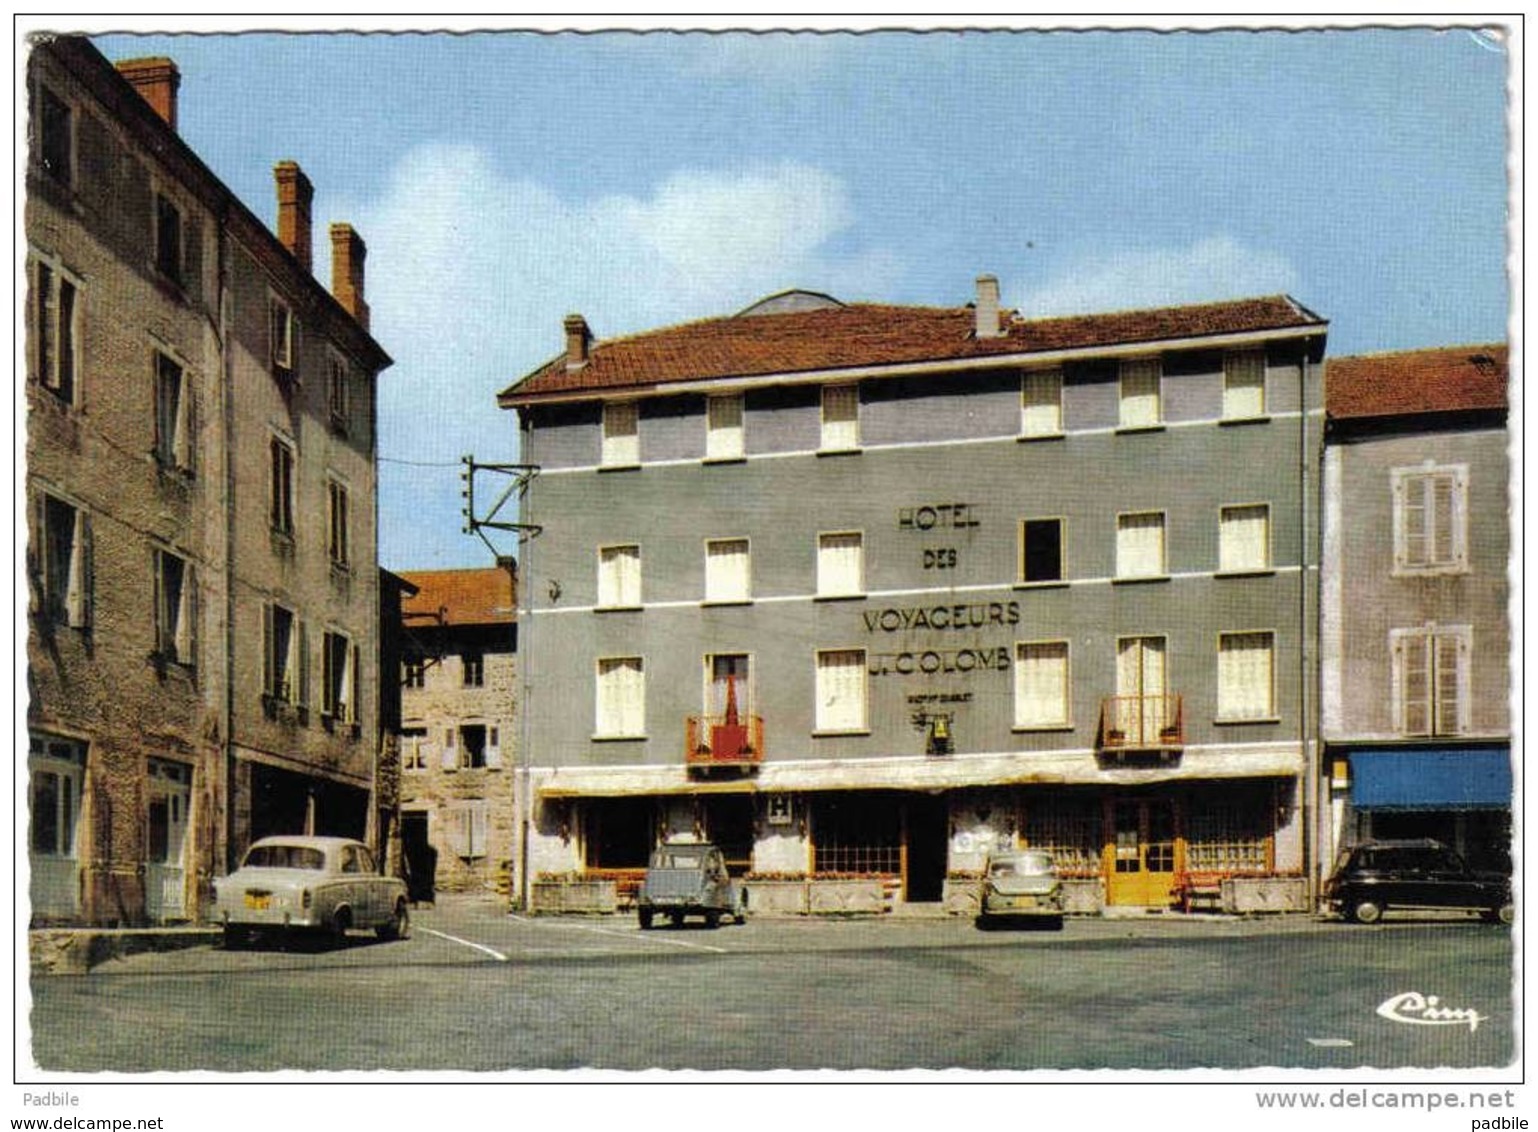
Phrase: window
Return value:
(473, 667)
(1430, 519)
(54, 139)
(840, 564)
(1071, 828)
(413, 740)
(621, 434)
(286, 656)
(280, 339)
(840, 418)
(727, 570)
(619, 577)
(1140, 545)
(338, 394)
(1246, 688)
(55, 329)
(414, 672)
(1244, 385)
(1140, 400)
(1244, 538)
(472, 745)
(728, 677)
(723, 427)
(1041, 550)
(1431, 679)
(841, 690)
(1041, 403)
(174, 421)
(281, 511)
(176, 604)
(1042, 697)
(466, 824)
(336, 512)
(168, 239)
(621, 698)
(62, 567)
(340, 694)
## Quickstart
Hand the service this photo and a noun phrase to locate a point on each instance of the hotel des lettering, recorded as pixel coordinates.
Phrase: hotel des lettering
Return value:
(868, 589)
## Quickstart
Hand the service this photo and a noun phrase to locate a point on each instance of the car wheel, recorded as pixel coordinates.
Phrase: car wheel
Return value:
(1056, 923)
(1500, 914)
(645, 916)
(341, 920)
(712, 919)
(676, 919)
(397, 926)
(984, 924)
(234, 937)
(1366, 912)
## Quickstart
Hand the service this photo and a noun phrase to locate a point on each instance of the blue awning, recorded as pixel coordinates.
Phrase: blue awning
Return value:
(1468, 779)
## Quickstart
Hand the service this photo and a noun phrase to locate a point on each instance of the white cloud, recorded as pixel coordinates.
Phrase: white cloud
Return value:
(470, 273)
(772, 57)
(1218, 267)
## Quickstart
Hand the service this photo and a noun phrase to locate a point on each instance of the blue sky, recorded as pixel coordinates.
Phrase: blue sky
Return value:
(503, 180)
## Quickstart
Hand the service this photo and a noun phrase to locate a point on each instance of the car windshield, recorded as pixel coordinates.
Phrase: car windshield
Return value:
(285, 857)
(1024, 865)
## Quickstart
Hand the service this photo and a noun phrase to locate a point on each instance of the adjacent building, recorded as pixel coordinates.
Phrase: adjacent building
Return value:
(1416, 630)
(866, 590)
(200, 490)
(457, 765)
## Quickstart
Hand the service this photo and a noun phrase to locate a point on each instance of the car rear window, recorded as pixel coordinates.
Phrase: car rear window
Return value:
(676, 861)
(285, 857)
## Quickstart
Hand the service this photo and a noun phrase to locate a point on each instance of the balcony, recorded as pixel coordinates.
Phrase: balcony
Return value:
(723, 741)
(1141, 725)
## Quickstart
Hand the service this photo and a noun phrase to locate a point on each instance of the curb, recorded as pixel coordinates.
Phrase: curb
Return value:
(74, 951)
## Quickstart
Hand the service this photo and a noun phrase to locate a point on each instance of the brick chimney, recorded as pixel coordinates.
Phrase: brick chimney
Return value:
(347, 255)
(578, 339)
(156, 80)
(294, 196)
(987, 325)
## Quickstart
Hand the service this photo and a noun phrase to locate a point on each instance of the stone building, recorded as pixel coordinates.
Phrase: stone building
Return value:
(861, 590)
(1415, 638)
(457, 818)
(200, 486)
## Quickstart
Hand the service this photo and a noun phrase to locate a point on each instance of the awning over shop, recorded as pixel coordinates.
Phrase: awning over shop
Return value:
(1467, 779)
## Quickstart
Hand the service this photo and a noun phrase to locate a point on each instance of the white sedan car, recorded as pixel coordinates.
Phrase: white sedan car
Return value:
(326, 884)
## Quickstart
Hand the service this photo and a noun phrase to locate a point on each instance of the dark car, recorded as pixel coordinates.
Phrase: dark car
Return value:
(1375, 876)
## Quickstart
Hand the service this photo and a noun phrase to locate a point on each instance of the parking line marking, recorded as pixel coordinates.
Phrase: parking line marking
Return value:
(1331, 1043)
(648, 938)
(497, 955)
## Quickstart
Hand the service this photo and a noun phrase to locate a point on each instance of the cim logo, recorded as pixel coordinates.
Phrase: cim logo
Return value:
(1416, 1009)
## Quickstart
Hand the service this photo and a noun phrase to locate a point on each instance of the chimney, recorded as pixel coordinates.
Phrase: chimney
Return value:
(347, 255)
(578, 338)
(294, 195)
(156, 80)
(988, 307)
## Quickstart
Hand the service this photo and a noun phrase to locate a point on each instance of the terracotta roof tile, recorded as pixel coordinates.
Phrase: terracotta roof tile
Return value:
(865, 335)
(464, 597)
(1448, 379)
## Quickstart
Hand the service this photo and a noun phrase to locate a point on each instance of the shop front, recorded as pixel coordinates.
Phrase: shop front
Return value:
(1460, 796)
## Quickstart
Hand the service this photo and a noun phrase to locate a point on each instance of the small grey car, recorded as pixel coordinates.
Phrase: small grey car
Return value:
(1020, 884)
(689, 879)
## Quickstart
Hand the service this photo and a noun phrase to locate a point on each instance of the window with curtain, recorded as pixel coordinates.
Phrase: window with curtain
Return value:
(1041, 403)
(840, 564)
(1140, 400)
(841, 690)
(621, 434)
(621, 697)
(1244, 385)
(726, 570)
(1041, 684)
(1246, 687)
(840, 417)
(723, 427)
(1244, 538)
(619, 576)
(1140, 545)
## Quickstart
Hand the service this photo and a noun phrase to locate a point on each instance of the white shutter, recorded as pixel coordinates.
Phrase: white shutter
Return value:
(841, 690)
(840, 417)
(299, 663)
(621, 696)
(1140, 392)
(1245, 538)
(494, 748)
(1041, 684)
(1413, 651)
(726, 570)
(450, 756)
(840, 563)
(476, 834)
(723, 427)
(77, 596)
(1041, 403)
(1245, 676)
(619, 576)
(621, 434)
(181, 425)
(186, 616)
(1244, 385)
(1140, 545)
(1451, 652)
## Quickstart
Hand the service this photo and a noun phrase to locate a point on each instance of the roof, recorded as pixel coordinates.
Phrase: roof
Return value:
(756, 344)
(1448, 379)
(460, 597)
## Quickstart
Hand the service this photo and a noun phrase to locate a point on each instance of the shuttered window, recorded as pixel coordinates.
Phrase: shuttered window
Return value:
(619, 576)
(840, 417)
(1140, 400)
(1244, 385)
(1430, 519)
(1431, 679)
(1246, 684)
(175, 609)
(1140, 545)
(727, 572)
(723, 427)
(1244, 538)
(840, 564)
(841, 690)
(621, 697)
(621, 434)
(1041, 403)
(1041, 684)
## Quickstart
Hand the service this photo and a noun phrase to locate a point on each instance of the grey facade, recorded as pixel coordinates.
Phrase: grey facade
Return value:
(951, 641)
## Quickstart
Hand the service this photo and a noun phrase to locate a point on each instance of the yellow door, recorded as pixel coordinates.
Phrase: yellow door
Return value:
(1140, 852)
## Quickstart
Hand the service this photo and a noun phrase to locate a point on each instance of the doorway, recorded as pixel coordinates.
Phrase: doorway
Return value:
(927, 834)
(418, 857)
(728, 820)
(1140, 851)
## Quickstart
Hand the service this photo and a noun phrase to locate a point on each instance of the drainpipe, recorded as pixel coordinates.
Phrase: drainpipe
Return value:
(1308, 808)
(523, 804)
(227, 454)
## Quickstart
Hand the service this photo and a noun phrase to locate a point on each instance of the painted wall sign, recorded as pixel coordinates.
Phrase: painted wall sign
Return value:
(977, 615)
(931, 662)
(946, 516)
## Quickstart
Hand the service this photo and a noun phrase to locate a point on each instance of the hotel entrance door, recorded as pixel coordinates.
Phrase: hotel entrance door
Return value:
(1140, 851)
